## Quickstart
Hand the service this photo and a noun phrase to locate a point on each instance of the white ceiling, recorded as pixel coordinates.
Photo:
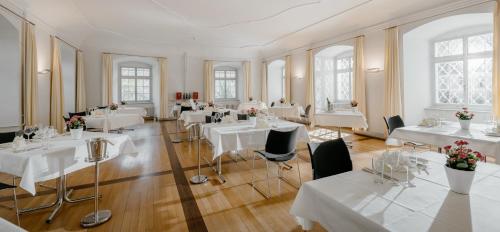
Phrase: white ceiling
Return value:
(249, 24)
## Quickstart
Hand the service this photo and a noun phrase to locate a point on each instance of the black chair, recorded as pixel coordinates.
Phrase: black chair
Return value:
(395, 122)
(227, 113)
(7, 137)
(272, 104)
(280, 148)
(77, 114)
(243, 117)
(102, 107)
(329, 158)
(208, 119)
(306, 112)
(186, 108)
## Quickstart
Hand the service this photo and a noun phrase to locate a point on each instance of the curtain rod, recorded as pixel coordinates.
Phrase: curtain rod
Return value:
(378, 25)
(16, 14)
(71, 45)
(124, 54)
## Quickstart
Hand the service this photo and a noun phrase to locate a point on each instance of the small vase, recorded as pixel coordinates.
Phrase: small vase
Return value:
(464, 124)
(460, 181)
(253, 120)
(76, 133)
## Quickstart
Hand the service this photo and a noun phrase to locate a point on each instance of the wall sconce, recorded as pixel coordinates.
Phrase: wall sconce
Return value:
(374, 70)
(44, 71)
(299, 76)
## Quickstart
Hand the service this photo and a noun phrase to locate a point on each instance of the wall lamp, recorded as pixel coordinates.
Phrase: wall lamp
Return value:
(44, 71)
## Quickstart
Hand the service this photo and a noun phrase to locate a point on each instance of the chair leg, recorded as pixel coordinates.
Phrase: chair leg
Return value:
(279, 177)
(298, 170)
(267, 177)
(15, 201)
(253, 170)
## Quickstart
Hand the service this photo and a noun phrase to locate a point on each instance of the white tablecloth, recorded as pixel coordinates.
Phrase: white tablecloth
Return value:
(132, 110)
(347, 118)
(247, 105)
(190, 117)
(6, 226)
(65, 155)
(242, 135)
(450, 132)
(113, 121)
(353, 202)
(286, 111)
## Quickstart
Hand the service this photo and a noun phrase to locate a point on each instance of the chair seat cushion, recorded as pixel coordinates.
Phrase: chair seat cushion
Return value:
(277, 157)
(6, 186)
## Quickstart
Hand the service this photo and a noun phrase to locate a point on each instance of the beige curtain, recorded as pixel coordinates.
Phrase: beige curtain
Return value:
(56, 88)
(496, 60)
(30, 73)
(263, 84)
(247, 79)
(288, 78)
(392, 90)
(359, 74)
(310, 84)
(107, 79)
(208, 76)
(81, 103)
(163, 87)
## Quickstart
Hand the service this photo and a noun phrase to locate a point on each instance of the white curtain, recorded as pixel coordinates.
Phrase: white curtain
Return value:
(392, 90)
(208, 76)
(247, 79)
(56, 88)
(310, 84)
(496, 60)
(81, 103)
(263, 85)
(163, 88)
(359, 74)
(30, 73)
(288, 78)
(107, 79)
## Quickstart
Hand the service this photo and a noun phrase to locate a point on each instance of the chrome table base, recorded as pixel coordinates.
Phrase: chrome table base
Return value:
(90, 220)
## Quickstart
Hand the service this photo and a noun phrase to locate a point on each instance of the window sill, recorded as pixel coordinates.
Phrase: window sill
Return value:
(452, 108)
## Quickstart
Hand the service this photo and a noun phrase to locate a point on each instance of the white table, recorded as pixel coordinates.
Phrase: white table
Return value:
(132, 110)
(65, 155)
(190, 117)
(351, 201)
(286, 111)
(6, 226)
(225, 137)
(448, 133)
(108, 122)
(344, 118)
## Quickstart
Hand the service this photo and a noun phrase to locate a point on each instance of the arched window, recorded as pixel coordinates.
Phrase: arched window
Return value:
(226, 83)
(135, 82)
(333, 76)
(276, 80)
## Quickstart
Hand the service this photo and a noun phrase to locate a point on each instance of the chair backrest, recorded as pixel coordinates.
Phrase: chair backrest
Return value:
(186, 108)
(227, 113)
(7, 137)
(208, 119)
(272, 104)
(331, 158)
(312, 147)
(393, 123)
(77, 114)
(242, 116)
(281, 142)
(102, 107)
(307, 110)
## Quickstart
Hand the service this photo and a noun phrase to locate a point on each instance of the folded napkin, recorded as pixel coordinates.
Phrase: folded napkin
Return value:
(429, 122)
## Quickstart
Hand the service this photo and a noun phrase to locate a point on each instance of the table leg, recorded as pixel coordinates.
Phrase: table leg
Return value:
(219, 170)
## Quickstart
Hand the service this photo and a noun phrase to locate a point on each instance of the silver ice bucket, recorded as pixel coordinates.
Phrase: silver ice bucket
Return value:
(96, 149)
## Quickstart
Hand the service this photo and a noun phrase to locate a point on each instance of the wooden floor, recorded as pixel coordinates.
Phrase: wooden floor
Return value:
(150, 191)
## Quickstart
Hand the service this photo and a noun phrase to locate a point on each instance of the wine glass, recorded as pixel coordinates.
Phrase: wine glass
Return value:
(29, 130)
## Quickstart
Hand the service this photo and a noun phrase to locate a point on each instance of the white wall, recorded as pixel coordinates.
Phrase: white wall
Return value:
(275, 88)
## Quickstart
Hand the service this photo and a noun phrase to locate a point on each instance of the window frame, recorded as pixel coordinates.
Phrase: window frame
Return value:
(235, 78)
(350, 70)
(135, 66)
(464, 57)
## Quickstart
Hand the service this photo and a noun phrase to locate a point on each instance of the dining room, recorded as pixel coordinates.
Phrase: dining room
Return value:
(303, 115)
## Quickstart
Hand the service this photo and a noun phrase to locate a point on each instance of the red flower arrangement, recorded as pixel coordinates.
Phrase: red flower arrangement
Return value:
(465, 114)
(76, 122)
(461, 157)
(252, 112)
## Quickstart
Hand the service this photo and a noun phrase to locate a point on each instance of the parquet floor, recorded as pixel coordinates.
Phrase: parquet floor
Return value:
(149, 191)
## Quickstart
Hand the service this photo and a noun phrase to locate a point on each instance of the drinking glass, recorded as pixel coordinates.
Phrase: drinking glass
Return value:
(29, 130)
(374, 168)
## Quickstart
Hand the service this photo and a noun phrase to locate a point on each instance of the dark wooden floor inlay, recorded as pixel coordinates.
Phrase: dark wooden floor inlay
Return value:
(192, 213)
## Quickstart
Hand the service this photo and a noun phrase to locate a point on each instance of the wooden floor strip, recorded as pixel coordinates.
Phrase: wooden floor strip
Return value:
(192, 213)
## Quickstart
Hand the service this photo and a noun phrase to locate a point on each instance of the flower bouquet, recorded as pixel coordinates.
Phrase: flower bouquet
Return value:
(464, 118)
(76, 125)
(282, 100)
(113, 106)
(460, 166)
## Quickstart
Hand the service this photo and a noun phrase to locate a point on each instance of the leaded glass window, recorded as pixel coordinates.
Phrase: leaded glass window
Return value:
(226, 80)
(135, 84)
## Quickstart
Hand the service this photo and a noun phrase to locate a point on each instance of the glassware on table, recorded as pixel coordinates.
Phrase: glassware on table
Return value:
(29, 130)
(408, 183)
(374, 168)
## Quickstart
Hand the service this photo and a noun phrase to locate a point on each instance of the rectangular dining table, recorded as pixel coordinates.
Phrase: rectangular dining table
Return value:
(63, 156)
(448, 133)
(237, 136)
(352, 201)
(111, 121)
